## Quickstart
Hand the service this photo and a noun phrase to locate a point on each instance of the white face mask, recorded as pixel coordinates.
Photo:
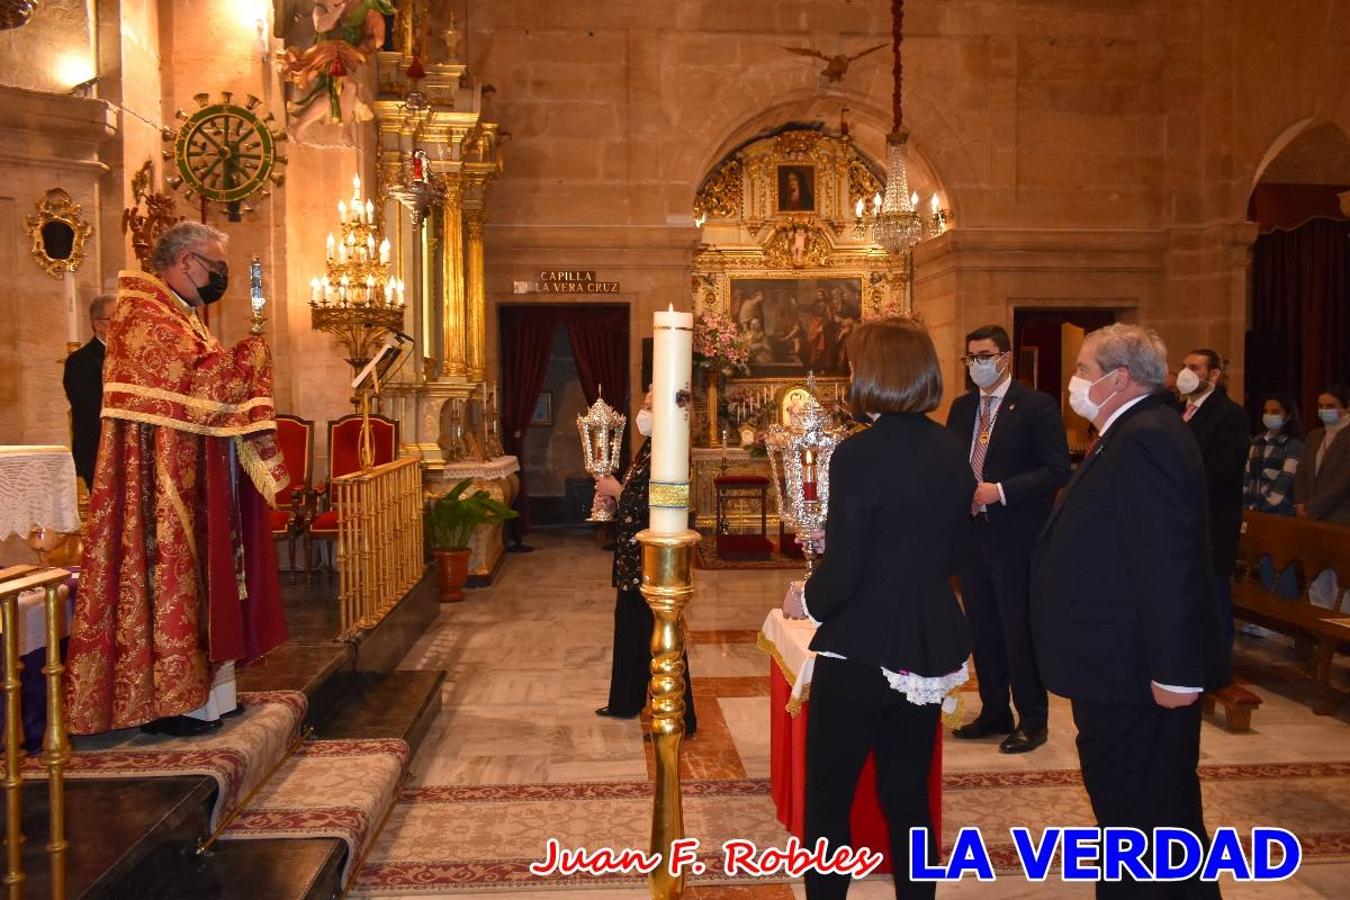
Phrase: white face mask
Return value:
(1272, 421)
(643, 421)
(1329, 416)
(984, 373)
(1079, 400)
(1188, 382)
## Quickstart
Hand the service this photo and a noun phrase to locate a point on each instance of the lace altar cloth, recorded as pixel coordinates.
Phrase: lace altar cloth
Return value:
(37, 490)
(489, 470)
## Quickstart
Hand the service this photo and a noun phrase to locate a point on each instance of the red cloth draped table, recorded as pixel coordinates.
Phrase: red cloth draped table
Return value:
(787, 642)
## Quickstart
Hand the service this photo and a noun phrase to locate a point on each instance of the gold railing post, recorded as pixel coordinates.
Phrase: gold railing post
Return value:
(667, 585)
(55, 743)
(9, 621)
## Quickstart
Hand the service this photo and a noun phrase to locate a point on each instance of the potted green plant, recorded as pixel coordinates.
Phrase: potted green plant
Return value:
(452, 521)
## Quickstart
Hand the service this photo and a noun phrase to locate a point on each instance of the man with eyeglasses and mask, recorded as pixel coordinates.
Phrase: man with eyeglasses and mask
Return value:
(179, 574)
(1220, 429)
(1015, 437)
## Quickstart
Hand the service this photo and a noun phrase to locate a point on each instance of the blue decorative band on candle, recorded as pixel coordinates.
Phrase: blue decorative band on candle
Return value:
(668, 495)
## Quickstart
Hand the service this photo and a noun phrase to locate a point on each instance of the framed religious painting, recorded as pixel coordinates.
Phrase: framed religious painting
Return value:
(797, 325)
(796, 188)
(543, 410)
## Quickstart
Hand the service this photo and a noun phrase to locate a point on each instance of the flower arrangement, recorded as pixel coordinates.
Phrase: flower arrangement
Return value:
(720, 345)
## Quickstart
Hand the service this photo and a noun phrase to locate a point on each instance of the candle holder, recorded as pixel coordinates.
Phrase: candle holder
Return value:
(799, 458)
(601, 432)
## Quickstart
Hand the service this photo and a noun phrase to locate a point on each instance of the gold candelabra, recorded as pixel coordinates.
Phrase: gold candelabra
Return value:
(357, 300)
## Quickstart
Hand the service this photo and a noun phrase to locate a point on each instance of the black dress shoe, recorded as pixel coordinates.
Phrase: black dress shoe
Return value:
(1024, 740)
(606, 711)
(180, 726)
(981, 728)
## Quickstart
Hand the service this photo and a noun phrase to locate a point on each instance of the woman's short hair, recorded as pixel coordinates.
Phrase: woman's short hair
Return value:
(895, 368)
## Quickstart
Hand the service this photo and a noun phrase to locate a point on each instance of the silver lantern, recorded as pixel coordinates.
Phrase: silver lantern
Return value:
(799, 457)
(601, 440)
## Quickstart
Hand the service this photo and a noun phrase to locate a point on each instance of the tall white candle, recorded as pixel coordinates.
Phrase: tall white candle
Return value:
(672, 362)
(72, 314)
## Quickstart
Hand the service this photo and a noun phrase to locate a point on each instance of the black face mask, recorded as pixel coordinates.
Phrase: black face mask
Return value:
(214, 289)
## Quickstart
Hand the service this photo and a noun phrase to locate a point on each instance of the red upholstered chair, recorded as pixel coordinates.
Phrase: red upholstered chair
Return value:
(295, 436)
(344, 458)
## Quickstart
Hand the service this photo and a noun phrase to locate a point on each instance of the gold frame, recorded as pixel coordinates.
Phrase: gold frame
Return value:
(57, 206)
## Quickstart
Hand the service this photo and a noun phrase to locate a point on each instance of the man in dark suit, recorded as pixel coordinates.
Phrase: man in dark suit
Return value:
(1123, 610)
(1015, 440)
(83, 381)
(1220, 428)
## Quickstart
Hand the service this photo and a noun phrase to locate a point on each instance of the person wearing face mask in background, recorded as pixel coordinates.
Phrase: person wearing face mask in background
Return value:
(1274, 459)
(1322, 483)
(630, 671)
(1219, 427)
(1020, 457)
(179, 578)
(1124, 616)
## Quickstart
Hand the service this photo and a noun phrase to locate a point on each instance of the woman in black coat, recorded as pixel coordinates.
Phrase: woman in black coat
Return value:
(892, 640)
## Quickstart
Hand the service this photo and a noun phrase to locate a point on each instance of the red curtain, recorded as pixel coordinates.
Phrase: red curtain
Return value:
(1301, 300)
(599, 339)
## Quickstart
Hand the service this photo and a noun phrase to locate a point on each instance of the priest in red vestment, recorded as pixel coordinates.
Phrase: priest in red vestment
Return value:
(179, 577)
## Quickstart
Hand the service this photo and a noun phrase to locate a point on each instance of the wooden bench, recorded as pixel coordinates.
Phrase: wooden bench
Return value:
(1310, 547)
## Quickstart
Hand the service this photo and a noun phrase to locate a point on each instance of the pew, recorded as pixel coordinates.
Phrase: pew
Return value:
(1310, 547)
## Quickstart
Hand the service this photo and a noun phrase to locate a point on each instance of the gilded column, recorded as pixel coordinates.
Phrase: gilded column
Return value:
(476, 339)
(453, 319)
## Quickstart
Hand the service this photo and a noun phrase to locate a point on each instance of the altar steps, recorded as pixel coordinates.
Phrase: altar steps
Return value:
(138, 838)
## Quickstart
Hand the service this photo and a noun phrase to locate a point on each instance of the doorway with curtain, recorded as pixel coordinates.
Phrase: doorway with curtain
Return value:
(555, 360)
(1045, 348)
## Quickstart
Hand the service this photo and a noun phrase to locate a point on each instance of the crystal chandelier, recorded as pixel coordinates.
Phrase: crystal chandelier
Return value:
(898, 225)
(357, 300)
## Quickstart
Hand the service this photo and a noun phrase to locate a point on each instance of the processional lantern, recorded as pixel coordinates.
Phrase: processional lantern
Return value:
(799, 458)
(601, 432)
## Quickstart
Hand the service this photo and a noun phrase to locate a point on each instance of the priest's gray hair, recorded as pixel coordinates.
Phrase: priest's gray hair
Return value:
(178, 239)
(1132, 347)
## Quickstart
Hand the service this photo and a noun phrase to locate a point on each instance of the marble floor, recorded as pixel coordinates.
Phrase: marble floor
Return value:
(528, 662)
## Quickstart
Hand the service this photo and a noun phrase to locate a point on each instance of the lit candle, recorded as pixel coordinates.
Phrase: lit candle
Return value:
(384, 252)
(329, 245)
(389, 292)
(342, 212)
(914, 200)
(858, 209)
(370, 245)
(672, 361)
(809, 474)
(314, 289)
(342, 253)
(370, 212)
(370, 288)
(933, 205)
(401, 300)
(356, 187)
(876, 203)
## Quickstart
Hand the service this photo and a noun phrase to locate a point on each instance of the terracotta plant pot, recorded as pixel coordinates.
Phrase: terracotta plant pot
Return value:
(452, 570)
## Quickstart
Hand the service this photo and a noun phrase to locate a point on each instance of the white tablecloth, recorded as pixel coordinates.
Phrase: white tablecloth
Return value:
(37, 490)
(788, 641)
(33, 620)
(489, 470)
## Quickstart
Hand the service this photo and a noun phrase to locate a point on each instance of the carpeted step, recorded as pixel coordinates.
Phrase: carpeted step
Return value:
(400, 704)
(339, 789)
(277, 869)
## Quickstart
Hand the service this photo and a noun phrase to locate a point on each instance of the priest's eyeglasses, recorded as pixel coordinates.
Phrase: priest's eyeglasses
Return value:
(211, 265)
(979, 357)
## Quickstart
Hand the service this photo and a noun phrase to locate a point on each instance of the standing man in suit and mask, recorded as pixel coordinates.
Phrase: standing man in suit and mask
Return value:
(1015, 438)
(1220, 428)
(1123, 609)
(83, 381)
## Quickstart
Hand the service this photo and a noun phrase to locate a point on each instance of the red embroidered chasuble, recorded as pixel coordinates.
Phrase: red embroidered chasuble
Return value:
(179, 568)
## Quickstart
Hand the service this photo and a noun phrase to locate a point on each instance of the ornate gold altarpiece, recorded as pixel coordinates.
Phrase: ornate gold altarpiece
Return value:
(441, 256)
(759, 227)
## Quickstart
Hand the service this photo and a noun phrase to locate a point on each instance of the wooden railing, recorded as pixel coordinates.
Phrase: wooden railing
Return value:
(15, 581)
(379, 541)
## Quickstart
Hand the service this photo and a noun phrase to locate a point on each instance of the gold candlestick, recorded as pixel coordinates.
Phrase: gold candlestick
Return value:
(667, 585)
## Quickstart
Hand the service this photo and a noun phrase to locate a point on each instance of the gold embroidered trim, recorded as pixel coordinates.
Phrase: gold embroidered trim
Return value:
(189, 427)
(259, 472)
(794, 704)
(171, 491)
(193, 402)
(668, 495)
